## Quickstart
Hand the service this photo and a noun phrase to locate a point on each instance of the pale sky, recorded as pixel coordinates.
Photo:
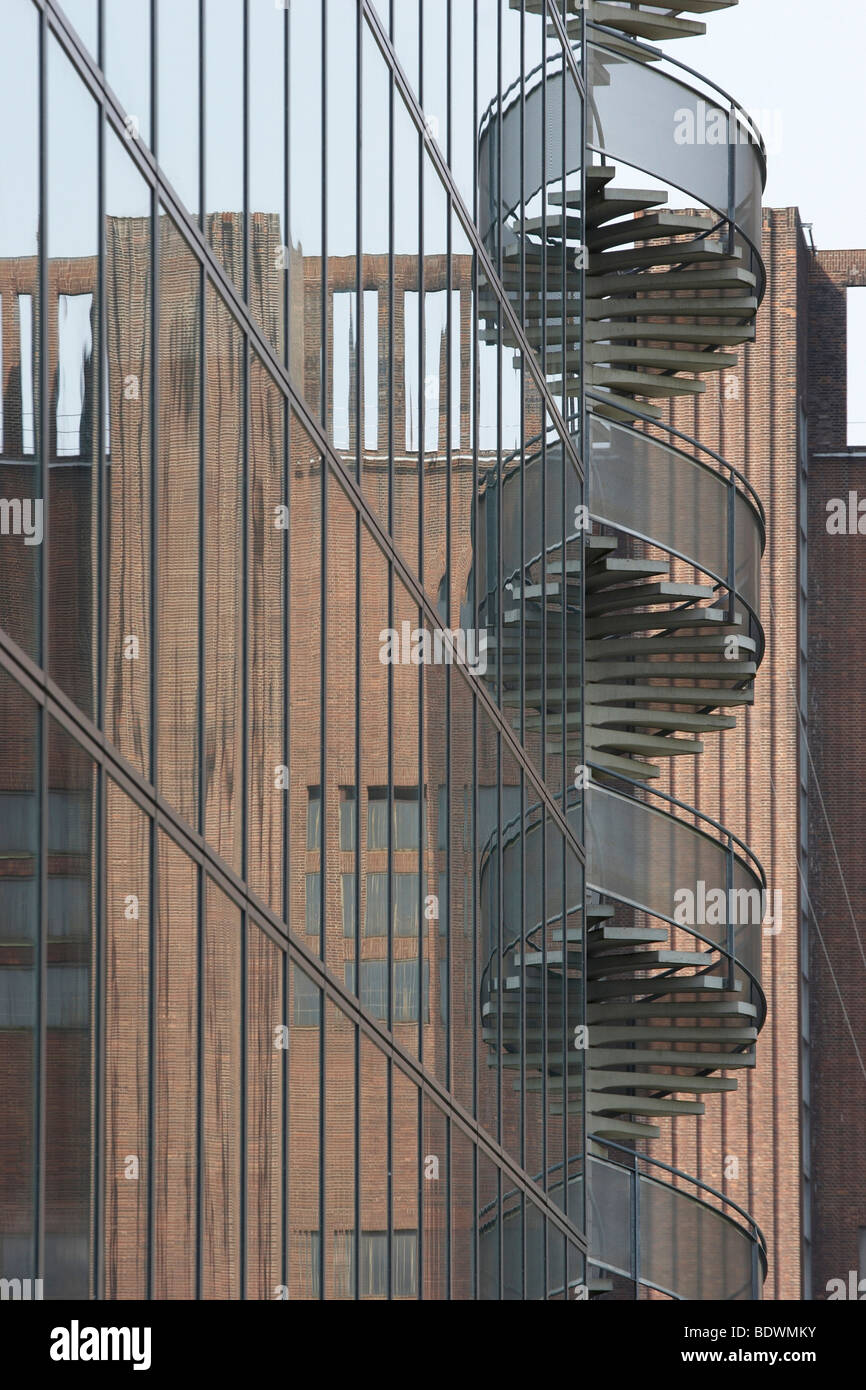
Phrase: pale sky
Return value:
(798, 67)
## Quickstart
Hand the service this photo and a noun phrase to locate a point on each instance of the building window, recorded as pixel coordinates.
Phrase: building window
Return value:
(405, 907)
(313, 904)
(406, 821)
(374, 1264)
(25, 348)
(314, 818)
(348, 819)
(406, 991)
(74, 350)
(342, 359)
(308, 1263)
(371, 370)
(307, 1001)
(376, 914)
(374, 985)
(344, 1260)
(406, 904)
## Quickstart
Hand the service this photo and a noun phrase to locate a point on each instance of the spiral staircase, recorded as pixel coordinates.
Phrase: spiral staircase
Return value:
(669, 297)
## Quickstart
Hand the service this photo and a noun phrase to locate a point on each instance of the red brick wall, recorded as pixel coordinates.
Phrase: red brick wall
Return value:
(837, 661)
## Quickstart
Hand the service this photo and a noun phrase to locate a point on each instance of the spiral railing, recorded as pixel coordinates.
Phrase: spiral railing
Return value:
(650, 1225)
(672, 986)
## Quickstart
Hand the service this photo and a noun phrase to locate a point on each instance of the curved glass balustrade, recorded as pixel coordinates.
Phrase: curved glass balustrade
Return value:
(687, 1242)
(700, 509)
(697, 138)
(642, 855)
(670, 1238)
(647, 114)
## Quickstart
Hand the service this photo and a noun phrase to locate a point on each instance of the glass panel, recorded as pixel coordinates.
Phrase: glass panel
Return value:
(372, 1178)
(265, 1090)
(462, 910)
(19, 910)
(69, 1116)
(408, 385)
(72, 325)
(305, 657)
(490, 1229)
(83, 14)
(224, 547)
(345, 331)
(340, 1120)
(176, 1100)
(224, 134)
(376, 189)
(20, 555)
(268, 30)
(127, 62)
(305, 200)
(267, 638)
(177, 28)
(127, 1070)
(404, 1187)
(221, 1063)
(435, 1185)
(463, 1224)
(178, 532)
(341, 731)
(128, 462)
(303, 1177)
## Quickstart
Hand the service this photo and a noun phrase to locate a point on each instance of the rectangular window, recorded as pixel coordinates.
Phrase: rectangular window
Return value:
(308, 1263)
(74, 350)
(348, 818)
(406, 991)
(307, 1001)
(374, 1264)
(406, 823)
(313, 904)
(411, 366)
(406, 820)
(344, 1263)
(314, 818)
(405, 908)
(436, 367)
(405, 904)
(25, 350)
(377, 818)
(374, 985)
(344, 349)
(347, 893)
(405, 1250)
(371, 370)
(376, 915)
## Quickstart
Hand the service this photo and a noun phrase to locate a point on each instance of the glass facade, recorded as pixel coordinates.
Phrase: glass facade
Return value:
(291, 831)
